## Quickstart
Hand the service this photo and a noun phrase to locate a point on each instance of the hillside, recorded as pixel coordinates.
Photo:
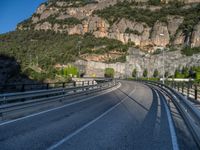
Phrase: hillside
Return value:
(106, 31)
(142, 23)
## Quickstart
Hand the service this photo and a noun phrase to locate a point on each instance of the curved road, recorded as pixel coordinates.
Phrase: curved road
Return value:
(133, 116)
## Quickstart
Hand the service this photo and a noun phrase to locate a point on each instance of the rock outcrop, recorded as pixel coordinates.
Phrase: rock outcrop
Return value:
(195, 40)
(161, 34)
(136, 59)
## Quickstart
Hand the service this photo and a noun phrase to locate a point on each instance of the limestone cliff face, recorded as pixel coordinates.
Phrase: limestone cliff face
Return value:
(195, 40)
(142, 35)
(136, 59)
(185, 1)
(160, 34)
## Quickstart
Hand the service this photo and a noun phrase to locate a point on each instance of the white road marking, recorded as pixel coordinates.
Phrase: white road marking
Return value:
(88, 124)
(171, 125)
(67, 105)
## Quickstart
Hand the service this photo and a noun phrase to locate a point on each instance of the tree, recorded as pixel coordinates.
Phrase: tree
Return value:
(145, 73)
(134, 73)
(185, 72)
(109, 73)
(197, 77)
(178, 74)
(155, 74)
(166, 74)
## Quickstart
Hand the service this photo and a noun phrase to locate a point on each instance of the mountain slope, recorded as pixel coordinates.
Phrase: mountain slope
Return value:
(106, 31)
(137, 22)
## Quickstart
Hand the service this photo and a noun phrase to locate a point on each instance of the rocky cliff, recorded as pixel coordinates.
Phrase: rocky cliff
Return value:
(138, 23)
(140, 61)
(78, 18)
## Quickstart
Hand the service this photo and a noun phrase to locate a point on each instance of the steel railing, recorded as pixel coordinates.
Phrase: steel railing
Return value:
(20, 100)
(189, 112)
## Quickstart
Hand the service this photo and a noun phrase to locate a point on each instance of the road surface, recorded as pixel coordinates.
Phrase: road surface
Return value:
(133, 116)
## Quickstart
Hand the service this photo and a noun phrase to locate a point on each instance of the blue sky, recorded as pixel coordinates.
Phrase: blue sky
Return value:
(14, 11)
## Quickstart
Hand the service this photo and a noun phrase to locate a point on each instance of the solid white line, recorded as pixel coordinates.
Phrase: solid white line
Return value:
(88, 124)
(67, 105)
(171, 125)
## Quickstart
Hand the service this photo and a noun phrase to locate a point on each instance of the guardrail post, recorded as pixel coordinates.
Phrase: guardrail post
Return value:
(23, 88)
(178, 87)
(63, 84)
(195, 92)
(182, 87)
(47, 87)
(188, 90)
(172, 84)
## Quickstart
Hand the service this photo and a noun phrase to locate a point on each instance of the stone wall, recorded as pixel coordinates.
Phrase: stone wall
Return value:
(140, 61)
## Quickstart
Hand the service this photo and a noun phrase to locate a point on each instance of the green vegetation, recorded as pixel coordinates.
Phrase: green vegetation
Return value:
(109, 73)
(154, 2)
(145, 73)
(186, 72)
(155, 73)
(130, 31)
(197, 77)
(38, 51)
(74, 3)
(121, 59)
(129, 11)
(69, 71)
(67, 21)
(134, 73)
(188, 51)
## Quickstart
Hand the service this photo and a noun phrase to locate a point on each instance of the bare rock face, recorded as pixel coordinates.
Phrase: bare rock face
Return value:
(41, 9)
(179, 39)
(87, 10)
(74, 29)
(195, 39)
(129, 31)
(160, 34)
(140, 62)
(185, 1)
(35, 19)
(48, 12)
(97, 26)
(173, 24)
(44, 26)
(124, 30)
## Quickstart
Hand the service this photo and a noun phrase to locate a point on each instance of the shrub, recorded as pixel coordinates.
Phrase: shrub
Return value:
(109, 73)
(145, 73)
(156, 73)
(197, 77)
(190, 51)
(134, 73)
(70, 71)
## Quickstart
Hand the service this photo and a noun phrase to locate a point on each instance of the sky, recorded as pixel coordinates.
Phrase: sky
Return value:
(14, 11)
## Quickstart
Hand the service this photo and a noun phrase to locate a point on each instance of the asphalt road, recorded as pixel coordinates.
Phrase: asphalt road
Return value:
(133, 116)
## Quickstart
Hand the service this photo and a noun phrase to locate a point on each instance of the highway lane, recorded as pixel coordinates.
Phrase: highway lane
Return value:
(131, 117)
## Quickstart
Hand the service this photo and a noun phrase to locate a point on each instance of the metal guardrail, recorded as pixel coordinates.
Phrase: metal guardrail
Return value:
(21, 100)
(10, 88)
(189, 112)
(191, 90)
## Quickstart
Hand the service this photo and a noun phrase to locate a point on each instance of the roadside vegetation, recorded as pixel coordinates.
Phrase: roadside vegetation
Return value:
(38, 52)
(109, 73)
